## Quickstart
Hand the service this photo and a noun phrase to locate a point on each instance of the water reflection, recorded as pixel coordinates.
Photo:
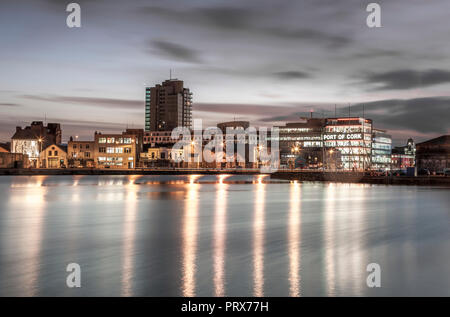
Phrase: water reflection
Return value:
(294, 239)
(145, 240)
(220, 236)
(330, 241)
(189, 236)
(30, 202)
(258, 238)
(129, 236)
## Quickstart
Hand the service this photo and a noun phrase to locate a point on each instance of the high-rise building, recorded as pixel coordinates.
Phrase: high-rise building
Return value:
(167, 106)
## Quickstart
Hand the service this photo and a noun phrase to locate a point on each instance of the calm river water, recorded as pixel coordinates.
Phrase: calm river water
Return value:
(220, 236)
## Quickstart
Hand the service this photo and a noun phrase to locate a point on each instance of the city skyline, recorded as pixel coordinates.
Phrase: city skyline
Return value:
(241, 61)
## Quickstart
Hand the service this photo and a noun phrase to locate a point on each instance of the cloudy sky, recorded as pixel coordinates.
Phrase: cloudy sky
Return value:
(268, 62)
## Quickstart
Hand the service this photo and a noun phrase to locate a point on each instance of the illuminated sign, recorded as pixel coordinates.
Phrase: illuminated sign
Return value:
(347, 136)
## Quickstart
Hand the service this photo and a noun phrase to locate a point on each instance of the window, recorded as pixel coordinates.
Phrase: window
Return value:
(101, 140)
(119, 150)
(87, 154)
(49, 153)
(102, 158)
(81, 146)
(110, 150)
(127, 140)
(130, 158)
(74, 146)
(102, 149)
(56, 153)
(87, 146)
(127, 149)
(110, 140)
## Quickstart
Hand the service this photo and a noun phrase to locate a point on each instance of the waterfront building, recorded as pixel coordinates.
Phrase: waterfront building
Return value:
(13, 160)
(404, 156)
(434, 154)
(352, 137)
(327, 143)
(381, 150)
(53, 156)
(301, 143)
(32, 139)
(116, 150)
(80, 153)
(167, 106)
(161, 157)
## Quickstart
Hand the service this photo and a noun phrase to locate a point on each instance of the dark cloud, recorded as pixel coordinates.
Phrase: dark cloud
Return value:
(407, 79)
(176, 51)
(247, 21)
(91, 101)
(241, 109)
(291, 75)
(425, 115)
(9, 105)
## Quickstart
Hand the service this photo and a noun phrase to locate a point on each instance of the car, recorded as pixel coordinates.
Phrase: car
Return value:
(447, 171)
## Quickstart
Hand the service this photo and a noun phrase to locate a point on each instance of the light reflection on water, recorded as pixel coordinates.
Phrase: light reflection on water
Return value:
(233, 231)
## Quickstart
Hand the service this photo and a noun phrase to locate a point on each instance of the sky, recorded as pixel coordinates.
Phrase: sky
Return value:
(268, 62)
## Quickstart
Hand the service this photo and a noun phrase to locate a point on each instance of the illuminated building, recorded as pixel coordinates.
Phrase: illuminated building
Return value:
(301, 140)
(116, 150)
(381, 150)
(53, 156)
(80, 153)
(161, 157)
(32, 139)
(404, 156)
(353, 138)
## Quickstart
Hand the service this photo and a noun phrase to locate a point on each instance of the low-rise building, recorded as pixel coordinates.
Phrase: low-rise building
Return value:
(404, 156)
(32, 139)
(80, 153)
(53, 156)
(161, 157)
(116, 150)
(381, 150)
(14, 160)
(434, 154)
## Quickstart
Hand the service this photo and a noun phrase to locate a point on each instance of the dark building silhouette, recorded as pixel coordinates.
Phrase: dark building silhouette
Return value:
(434, 154)
(167, 106)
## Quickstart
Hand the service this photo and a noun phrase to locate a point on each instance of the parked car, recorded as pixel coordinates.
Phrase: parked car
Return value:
(447, 171)
(423, 171)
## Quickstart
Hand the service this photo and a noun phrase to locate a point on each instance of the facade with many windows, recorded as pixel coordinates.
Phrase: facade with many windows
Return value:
(381, 150)
(116, 150)
(167, 106)
(352, 137)
(80, 153)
